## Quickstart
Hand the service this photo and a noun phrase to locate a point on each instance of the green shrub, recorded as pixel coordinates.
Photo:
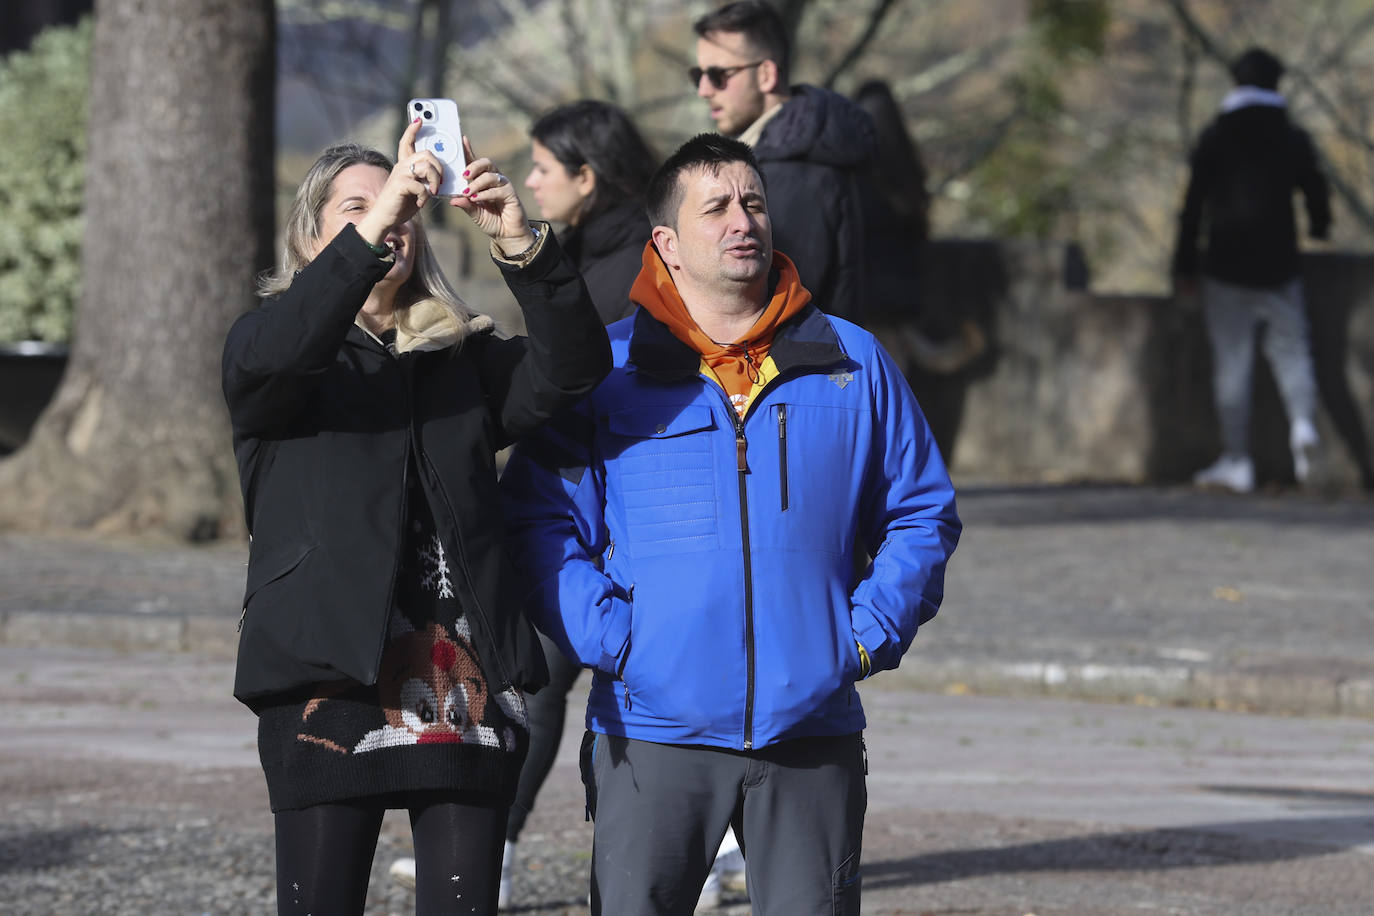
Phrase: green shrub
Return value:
(43, 105)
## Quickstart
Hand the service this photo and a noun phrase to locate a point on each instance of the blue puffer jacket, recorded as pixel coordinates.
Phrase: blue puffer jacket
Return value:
(711, 569)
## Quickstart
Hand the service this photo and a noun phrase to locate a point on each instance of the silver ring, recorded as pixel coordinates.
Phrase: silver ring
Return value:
(412, 171)
(500, 179)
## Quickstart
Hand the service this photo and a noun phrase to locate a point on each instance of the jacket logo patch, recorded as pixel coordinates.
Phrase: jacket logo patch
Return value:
(841, 378)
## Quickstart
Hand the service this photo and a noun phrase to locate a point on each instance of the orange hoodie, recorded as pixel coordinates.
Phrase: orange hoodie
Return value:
(743, 368)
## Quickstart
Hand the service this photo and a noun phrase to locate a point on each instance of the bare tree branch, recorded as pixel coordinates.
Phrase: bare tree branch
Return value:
(1190, 24)
(1186, 85)
(1348, 194)
(576, 45)
(950, 68)
(986, 146)
(1347, 131)
(860, 45)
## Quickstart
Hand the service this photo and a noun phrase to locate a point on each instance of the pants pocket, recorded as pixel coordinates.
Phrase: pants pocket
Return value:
(846, 885)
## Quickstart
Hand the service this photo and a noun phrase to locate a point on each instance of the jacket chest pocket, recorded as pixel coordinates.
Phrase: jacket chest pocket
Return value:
(661, 459)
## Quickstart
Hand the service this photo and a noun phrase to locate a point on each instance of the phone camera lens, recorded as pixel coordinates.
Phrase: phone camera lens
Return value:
(419, 106)
(429, 114)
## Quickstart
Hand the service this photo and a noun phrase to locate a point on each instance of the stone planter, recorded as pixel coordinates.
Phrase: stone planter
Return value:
(29, 373)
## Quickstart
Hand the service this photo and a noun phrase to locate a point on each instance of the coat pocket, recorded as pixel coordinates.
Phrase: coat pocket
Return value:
(268, 566)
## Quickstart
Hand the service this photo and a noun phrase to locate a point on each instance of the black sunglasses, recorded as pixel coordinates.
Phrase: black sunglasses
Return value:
(718, 76)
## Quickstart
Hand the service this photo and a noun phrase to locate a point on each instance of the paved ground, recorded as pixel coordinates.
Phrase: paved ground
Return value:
(1263, 603)
(129, 783)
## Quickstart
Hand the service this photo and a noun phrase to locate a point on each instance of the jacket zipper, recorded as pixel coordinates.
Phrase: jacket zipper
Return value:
(742, 471)
(782, 453)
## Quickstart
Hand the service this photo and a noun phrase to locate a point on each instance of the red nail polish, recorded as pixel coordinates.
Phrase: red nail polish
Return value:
(467, 173)
(467, 190)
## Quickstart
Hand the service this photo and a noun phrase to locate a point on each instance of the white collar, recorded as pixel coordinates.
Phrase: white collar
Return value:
(1248, 96)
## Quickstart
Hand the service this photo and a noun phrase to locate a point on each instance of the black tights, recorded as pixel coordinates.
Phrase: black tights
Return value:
(324, 855)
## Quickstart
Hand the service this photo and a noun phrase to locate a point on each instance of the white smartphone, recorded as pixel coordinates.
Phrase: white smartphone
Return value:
(441, 134)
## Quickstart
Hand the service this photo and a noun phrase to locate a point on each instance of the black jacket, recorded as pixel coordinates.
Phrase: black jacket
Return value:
(609, 249)
(811, 153)
(326, 422)
(1245, 168)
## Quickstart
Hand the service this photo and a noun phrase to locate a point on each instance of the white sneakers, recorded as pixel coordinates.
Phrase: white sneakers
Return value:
(507, 865)
(1230, 472)
(1304, 441)
(727, 873)
(402, 871)
(1237, 472)
(710, 893)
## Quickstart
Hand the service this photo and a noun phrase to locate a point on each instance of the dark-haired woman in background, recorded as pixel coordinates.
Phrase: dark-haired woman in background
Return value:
(591, 168)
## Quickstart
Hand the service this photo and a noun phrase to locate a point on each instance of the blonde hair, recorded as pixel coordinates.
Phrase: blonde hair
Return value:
(429, 312)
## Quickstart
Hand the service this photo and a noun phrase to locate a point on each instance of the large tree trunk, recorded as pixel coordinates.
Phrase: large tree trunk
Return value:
(179, 216)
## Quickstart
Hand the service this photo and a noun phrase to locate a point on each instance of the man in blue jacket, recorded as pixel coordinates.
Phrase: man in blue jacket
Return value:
(699, 532)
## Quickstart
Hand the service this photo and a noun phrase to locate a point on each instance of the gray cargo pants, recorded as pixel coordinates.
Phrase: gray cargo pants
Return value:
(661, 811)
(1234, 313)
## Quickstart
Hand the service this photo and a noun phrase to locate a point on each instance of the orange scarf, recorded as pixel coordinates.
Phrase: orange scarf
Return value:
(740, 367)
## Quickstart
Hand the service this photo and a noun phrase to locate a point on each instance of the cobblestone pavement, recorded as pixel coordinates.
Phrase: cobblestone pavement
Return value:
(129, 782)
(129, 785)
(1166, 594)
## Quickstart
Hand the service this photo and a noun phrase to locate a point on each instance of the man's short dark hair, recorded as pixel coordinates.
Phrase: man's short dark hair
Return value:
(760, 24)
(1257, 67)
(706, 152)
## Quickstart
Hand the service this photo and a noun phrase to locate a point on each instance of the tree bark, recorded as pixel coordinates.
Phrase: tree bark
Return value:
(179, 218)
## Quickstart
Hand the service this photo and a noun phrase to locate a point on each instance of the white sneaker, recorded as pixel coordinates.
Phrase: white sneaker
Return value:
(507, 865)
(402, 871)
(729, 868)
(710, 893)
(1232, 472)
(1304, 441)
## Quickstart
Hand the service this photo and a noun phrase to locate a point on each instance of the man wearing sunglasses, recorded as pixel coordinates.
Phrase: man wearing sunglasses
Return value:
(811, 145)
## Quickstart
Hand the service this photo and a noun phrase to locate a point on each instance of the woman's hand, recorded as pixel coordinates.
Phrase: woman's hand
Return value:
(409, 186)
(491, 201)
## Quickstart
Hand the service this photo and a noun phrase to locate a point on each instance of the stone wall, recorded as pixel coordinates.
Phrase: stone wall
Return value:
(1078, 387)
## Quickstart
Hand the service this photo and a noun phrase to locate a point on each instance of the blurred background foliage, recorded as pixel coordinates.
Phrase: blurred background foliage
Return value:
(43, 94)
(1065, 119)
(1062, 119)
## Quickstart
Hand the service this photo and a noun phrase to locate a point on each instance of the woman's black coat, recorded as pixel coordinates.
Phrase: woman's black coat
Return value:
(325, 424)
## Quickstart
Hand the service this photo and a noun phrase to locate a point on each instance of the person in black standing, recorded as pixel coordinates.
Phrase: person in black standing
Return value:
(382, 645)
(1246, 167)
(811, 144)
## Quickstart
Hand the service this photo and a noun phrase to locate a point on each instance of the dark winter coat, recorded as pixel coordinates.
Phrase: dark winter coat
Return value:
(1245, 168)
(327, 425)
(810, 154)
(608, 250)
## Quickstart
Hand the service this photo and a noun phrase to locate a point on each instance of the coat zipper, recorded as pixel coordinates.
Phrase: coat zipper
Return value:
(742, 471)
(782, 453)
(401, 512)
(503, 678)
